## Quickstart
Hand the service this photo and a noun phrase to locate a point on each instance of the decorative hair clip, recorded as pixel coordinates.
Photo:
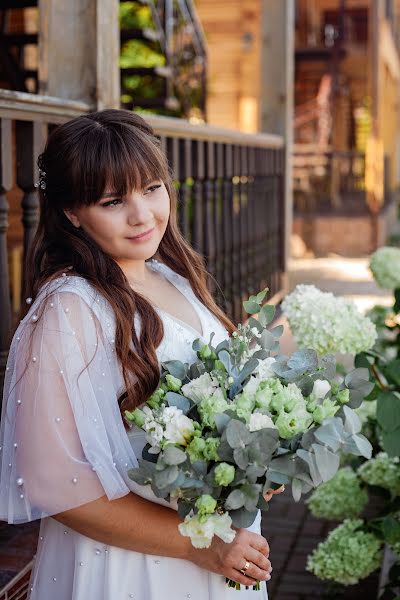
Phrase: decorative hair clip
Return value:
(42, 180)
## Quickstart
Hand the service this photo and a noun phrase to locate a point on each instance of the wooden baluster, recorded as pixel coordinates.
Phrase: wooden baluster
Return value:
(237, 286)
(5, 304)
(243, 224)
(251, 223)
(30, 137)
(218, 220)
(227, 221)
(186, 186)
(259, 223)
(209, 222)
(198, 167)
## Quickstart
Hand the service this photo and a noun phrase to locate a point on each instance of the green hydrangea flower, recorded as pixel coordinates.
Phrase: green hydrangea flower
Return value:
(382, 471)
(339, 498)
(347, 555)
(385, 267)
(224, 474)
(326, 323)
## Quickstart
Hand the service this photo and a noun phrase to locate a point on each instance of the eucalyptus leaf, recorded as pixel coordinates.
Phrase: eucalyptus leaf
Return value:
(224, 345)
(303, 360)
(196, 370)
(200, 468)
(255, 323)
(352, 423)
(184, 508)
(330, 433)
(261, 295)
(277, 331)
(279, 478)
(253, 472)
(166, 477)
(173, 455)
(237, 434)
(241, 457)
(262, 504)
(327, 462)
(296, 489)
(251, 307)
(236, 499)
(267, 313)
(242, 518)
(267, 340)
(391, 442)
(221, 421)
(175, 368)
(226, 360)
(179, 401)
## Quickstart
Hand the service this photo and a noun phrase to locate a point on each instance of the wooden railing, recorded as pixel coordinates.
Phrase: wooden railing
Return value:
(230, 186)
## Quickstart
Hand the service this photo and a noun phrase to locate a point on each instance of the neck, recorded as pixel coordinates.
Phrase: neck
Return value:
(134, 270)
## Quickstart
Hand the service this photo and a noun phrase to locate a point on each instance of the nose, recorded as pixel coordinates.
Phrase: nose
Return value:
(139, 212)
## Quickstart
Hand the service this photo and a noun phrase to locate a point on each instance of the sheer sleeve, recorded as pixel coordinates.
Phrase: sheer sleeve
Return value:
(63, 439)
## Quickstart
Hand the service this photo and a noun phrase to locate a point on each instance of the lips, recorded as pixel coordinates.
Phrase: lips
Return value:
(141, 235)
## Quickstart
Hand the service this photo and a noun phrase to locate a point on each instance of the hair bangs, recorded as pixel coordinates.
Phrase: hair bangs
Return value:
(122, 160)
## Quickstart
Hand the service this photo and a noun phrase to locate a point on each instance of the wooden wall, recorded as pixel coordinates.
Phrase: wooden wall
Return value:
(233, 32)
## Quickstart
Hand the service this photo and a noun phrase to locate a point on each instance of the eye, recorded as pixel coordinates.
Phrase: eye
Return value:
(113, 202)
(152, 188)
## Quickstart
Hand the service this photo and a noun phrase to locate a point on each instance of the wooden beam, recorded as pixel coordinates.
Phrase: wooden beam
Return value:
(79, 51)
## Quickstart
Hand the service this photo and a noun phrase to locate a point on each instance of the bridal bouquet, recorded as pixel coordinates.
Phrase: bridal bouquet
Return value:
(242, 419)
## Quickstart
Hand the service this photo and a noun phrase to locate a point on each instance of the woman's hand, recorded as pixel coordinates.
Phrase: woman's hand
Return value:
(269, 493)
(230, 559)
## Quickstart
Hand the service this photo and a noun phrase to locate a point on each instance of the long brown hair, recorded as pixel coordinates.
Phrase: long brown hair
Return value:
(116, 148)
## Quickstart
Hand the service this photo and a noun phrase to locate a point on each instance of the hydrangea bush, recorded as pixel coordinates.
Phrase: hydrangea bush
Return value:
(328, 324)
(347, 555)
(385, 267)
(339, 498)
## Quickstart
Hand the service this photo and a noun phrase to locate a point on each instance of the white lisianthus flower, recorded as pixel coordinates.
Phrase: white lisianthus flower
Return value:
(222, 527)
(328, 324)
(178, 427)
(154, 433)
(264, 369)
(385, 267)
(200, 532)
(260, 421)
(251, 386)
(321, 388)
(200, 388)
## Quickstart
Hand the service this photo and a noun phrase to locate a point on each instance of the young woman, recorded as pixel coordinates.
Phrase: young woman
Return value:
(114, 289)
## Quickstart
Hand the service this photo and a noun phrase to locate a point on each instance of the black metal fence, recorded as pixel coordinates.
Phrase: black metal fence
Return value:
(231, 200)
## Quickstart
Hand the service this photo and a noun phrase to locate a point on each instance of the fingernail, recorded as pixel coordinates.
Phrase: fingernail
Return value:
(268, 577)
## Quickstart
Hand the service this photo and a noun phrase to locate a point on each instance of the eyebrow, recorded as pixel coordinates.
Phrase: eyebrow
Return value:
(113, 194)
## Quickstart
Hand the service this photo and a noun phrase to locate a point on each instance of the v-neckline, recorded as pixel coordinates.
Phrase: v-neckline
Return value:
(164, 272)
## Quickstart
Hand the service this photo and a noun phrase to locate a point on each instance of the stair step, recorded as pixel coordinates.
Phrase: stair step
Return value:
(141, 34)
(161, 71)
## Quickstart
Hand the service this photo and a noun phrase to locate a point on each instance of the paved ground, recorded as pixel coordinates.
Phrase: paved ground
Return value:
(290, 529)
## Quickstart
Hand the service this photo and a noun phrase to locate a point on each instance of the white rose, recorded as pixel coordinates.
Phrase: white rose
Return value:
(264, 369)
(321, 388)
(260, 421)
(179, 430)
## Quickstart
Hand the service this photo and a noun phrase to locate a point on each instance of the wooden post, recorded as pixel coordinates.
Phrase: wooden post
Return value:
(79, 51)
(277, 84)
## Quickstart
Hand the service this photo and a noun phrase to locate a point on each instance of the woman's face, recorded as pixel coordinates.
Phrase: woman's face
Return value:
(129, 228)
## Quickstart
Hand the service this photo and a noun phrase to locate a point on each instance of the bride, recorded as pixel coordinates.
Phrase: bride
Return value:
(114, 289)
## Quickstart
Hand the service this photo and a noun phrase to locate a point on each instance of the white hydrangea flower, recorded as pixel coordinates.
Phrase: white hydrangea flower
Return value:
(385, 267)
(260, 421)
(200, 388)
(328, 324)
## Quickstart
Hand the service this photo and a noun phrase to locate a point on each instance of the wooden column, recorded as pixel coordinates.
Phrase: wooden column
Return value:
(277, 86)
(5, 185)
(79, 51)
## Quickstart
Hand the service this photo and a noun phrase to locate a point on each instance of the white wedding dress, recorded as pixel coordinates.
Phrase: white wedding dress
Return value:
(64, 444)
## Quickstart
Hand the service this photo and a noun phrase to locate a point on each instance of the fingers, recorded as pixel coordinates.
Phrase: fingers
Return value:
(258, 559)
(270, 492)
(259, 542)
(258, 574)
(240, 578)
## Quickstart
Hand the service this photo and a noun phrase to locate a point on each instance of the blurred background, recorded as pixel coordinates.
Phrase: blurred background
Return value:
(280, 119)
